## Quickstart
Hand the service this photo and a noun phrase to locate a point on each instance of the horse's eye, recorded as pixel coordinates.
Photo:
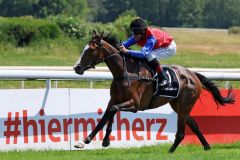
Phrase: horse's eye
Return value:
(92, 45)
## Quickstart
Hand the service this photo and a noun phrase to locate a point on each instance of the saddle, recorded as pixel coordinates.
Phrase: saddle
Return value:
(172, 89)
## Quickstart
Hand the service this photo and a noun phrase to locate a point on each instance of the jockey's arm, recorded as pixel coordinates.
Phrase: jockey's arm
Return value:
(131, 41)
(146, 49)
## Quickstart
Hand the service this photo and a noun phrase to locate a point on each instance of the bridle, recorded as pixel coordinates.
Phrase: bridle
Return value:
(111, 54)
(93, 63)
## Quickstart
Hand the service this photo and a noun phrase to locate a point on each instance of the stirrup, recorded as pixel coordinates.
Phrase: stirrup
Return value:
(161, 85)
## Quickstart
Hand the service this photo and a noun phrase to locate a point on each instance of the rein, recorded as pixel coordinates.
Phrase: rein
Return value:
(125, 69)
(101, 60)
(126, 76)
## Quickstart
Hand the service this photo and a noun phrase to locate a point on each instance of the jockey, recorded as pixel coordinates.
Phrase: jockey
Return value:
(156, 45)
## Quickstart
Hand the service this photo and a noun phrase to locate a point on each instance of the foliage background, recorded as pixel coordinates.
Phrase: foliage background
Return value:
(167, 13)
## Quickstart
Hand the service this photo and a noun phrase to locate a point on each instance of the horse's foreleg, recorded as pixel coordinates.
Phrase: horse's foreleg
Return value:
(99, 126)
(108, 115)
(194, 127)
(125, 106)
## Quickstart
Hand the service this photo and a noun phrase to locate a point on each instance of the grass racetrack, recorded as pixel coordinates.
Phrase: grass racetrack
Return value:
(158, 152)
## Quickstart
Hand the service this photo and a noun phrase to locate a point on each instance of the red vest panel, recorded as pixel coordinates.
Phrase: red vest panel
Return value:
(163, 38)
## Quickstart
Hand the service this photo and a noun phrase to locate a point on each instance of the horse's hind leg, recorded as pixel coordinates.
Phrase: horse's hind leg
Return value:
(194, 127)
(182, 106)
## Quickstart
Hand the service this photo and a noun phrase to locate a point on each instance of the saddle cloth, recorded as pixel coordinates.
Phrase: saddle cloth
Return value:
(172, 90)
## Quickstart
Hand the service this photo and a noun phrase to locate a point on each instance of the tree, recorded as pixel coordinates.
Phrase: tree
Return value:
(221, 13)
(170, 14)
(11, 8)
(44, 8)
(148, 10)
(158, 12)
(96, 9)
(77, 8)
(112, 9)
(191, 13)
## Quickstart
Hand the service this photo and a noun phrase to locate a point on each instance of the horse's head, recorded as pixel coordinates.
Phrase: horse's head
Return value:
(92, 54)
(96, 51)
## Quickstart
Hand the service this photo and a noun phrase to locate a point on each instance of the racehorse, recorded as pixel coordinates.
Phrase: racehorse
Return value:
(130, 93)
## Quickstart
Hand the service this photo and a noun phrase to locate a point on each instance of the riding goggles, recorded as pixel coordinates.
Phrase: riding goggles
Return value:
(136, 32)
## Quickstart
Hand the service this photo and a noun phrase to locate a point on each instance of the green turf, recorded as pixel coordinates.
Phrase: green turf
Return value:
(195, 48)
(159, 152)
(202, 60)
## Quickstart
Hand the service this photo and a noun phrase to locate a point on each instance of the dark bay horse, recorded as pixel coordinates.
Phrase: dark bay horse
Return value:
(130, 94)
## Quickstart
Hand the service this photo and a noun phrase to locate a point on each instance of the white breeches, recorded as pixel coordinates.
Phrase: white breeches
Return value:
(163, 52)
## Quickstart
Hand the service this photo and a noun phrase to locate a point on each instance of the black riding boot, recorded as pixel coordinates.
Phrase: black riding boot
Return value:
(163, 80)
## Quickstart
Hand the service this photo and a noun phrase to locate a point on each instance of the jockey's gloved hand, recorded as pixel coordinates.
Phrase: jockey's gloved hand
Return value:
(119, 44)
(123, 49)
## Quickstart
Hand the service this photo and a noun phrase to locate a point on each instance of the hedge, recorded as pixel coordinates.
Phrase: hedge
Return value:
(22, 31)
(75, 27)
(234, 30)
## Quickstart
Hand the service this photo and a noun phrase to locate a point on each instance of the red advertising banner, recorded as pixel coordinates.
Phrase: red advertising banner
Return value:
(219, 124)
(60, 118)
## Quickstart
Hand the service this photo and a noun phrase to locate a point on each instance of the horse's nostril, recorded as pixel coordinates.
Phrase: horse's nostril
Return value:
(80, 72)
(78, 69)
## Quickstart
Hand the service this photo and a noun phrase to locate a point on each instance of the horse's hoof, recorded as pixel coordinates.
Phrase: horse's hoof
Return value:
(207, 148)
(87, 140)
(79, 145)
(172, 149)
(106, 143)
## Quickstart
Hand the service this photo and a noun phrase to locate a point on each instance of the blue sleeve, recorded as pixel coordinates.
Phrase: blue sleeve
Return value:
(147, 48)
(131, 41)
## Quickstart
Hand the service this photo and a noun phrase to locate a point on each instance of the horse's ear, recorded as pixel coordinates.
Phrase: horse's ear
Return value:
(108, 34)
(94, 33)
(102, 34)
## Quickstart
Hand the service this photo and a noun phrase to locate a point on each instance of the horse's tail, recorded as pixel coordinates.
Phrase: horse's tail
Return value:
(213, 89)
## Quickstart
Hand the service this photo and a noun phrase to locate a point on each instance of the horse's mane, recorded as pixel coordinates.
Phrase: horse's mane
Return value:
(113, 40)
